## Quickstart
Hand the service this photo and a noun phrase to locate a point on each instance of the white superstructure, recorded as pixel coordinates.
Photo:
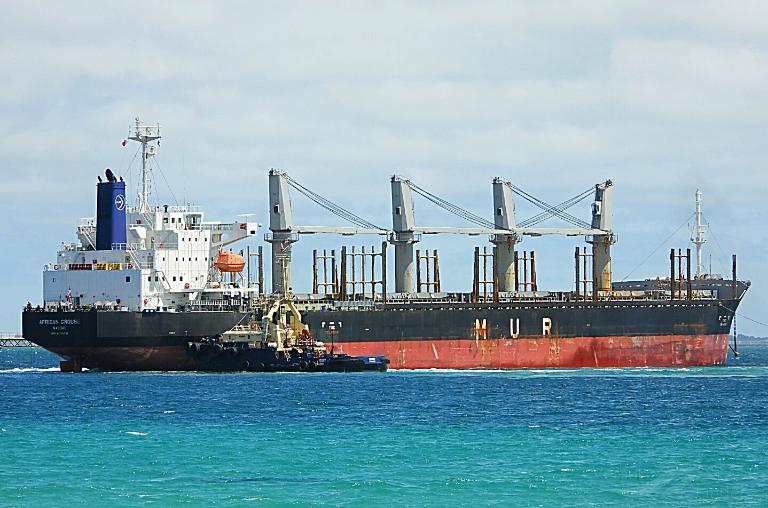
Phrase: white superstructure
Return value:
(166, 262)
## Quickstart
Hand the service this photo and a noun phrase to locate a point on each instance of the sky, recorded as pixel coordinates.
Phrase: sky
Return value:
(661, 97)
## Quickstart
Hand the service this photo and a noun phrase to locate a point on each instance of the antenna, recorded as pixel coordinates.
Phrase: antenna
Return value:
(145, 134)
(698, 235)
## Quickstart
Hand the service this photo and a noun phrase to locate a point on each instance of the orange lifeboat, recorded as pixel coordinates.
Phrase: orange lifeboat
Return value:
(228, 261)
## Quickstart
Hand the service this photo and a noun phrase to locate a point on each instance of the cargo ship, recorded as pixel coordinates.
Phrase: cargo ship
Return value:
(149, 287)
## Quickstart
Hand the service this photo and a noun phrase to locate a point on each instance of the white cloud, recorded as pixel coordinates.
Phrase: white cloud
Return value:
(661, 97)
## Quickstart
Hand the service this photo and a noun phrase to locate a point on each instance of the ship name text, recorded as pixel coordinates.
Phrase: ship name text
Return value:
(59, 322)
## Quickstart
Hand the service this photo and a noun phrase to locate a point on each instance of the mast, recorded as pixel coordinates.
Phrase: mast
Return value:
(145, 134)
(698, 235)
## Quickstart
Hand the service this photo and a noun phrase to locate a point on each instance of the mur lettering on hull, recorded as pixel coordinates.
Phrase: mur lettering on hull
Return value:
(546, 326)
(481, 329)
(514, 326)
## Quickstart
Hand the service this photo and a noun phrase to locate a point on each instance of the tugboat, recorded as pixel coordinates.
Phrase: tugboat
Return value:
(280, 343)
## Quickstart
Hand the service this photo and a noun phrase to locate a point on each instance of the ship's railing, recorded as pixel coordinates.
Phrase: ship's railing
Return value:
(217, 304)
(216, 227)
(69, 247)
(405, 299)
(167, 208)
(356, 305)
(208, 227)
(126, 246)
(165, 246)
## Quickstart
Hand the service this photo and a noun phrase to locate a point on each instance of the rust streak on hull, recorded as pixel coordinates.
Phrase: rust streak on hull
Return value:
(546, 352)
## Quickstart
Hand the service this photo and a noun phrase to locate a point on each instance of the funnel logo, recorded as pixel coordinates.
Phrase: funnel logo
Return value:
(119, 202)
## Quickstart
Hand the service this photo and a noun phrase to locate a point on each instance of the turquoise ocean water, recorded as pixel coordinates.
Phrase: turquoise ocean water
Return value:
(675, 437)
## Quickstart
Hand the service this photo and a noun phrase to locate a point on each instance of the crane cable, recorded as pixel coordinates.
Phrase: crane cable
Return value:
(330, 205)
(565, 205)
(659, 246)
(549, 210)
(451, 207)
(552, 209)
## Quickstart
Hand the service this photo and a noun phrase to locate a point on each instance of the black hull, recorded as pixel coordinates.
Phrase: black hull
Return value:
(110, 340)
(525, 320)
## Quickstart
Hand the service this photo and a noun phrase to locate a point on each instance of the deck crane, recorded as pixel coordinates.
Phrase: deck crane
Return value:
(505, 233)
(283, 232)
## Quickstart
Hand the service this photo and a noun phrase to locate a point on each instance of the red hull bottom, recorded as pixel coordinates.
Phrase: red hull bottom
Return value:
(538, 353)
(548, 352)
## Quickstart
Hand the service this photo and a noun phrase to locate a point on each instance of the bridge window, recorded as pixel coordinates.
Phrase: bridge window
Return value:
(128, 278)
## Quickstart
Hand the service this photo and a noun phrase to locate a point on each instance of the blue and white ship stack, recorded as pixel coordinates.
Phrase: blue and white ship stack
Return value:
(145, 257)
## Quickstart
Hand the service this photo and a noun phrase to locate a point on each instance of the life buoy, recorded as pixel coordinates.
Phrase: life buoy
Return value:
(146, 301)
(254, 325)
(186, 285)
(56, 267)
(161, 245)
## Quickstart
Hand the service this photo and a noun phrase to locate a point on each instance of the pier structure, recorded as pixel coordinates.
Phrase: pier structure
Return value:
(14, 339)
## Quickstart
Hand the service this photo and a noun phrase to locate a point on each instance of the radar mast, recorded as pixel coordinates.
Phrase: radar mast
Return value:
(698, 235)
(146, 135)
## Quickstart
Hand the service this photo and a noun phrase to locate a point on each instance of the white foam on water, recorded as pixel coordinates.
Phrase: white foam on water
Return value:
(168, 412)
(134, 433)
(29, 369)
